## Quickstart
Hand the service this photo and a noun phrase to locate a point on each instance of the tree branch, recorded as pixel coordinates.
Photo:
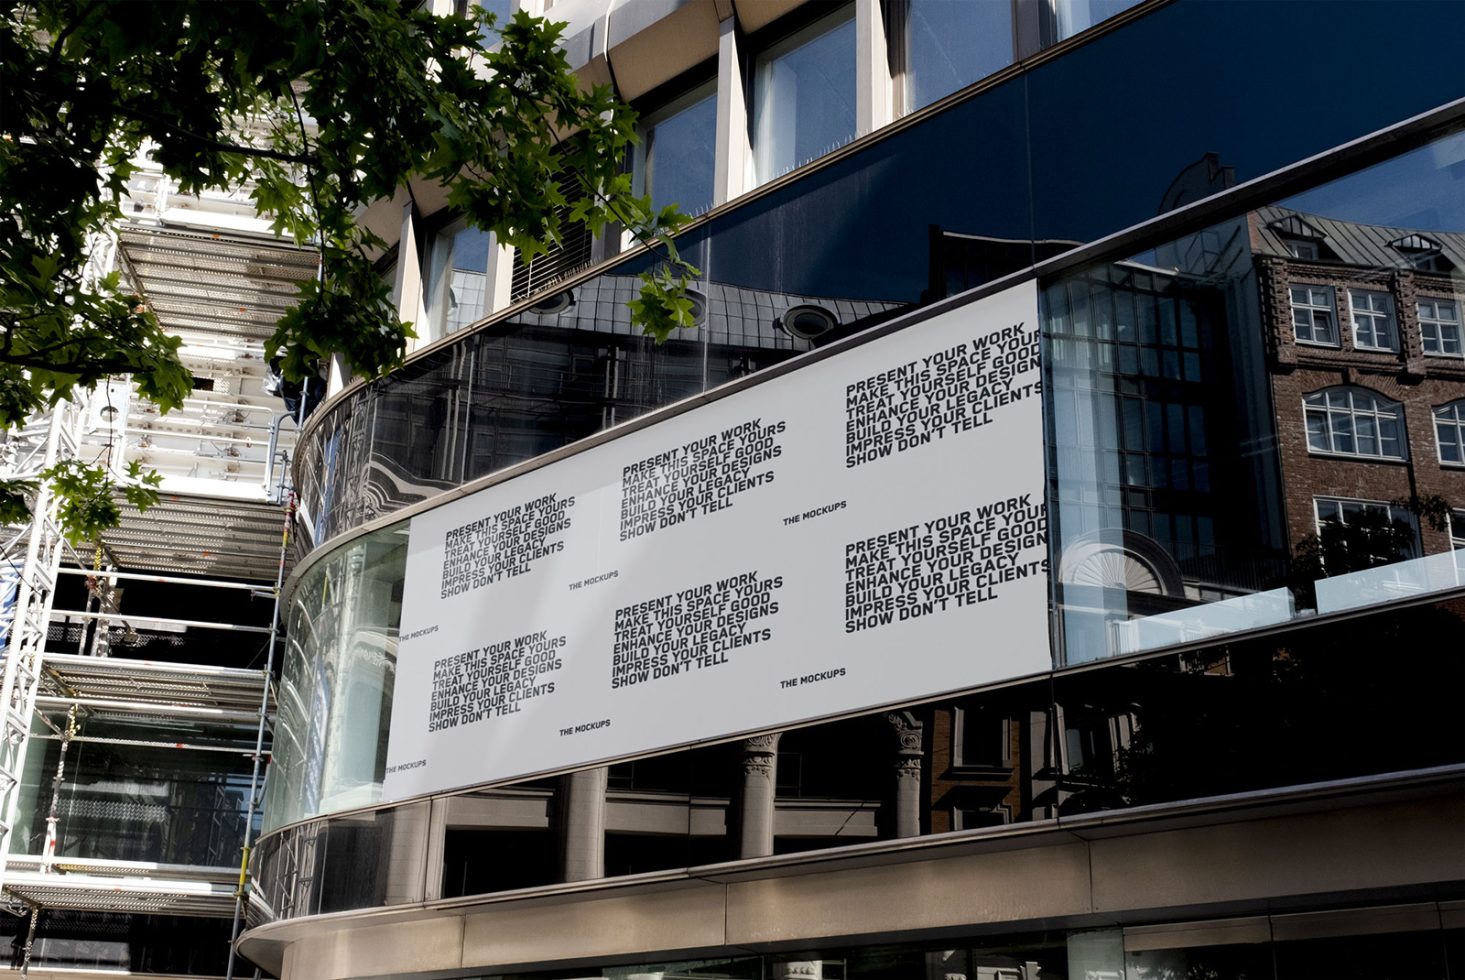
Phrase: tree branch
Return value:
(142, 115)
(68, 29)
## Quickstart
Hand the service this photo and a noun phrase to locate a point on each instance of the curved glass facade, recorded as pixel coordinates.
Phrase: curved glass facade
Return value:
(1216, 515)
(1018, 172)
(1189, 500)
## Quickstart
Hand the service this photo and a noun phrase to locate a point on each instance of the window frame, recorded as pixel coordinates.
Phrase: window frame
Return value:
(959, 762)
(1440, 325)
(1385, 320)
(1329, 306)
(1449, 415)
(1383, 407)
(757, 84)
(1393, 512)
(646, 127)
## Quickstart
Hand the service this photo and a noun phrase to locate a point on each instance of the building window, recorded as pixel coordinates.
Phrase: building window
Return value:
(950, 45)
(804, 96)
(980, 739)
(1353, 422)
(1373, 320)
(458, 284)
(1449, 432)
(1457, 530)
(574, 252)
(1313, 321)
(1359, 534)
(1080, 15)
(1304, 250)
(677, 154)
(1439, 327)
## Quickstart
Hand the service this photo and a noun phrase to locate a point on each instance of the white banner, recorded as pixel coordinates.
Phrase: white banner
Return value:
(865, 530)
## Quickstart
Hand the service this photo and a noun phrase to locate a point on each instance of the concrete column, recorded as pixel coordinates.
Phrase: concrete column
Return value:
(500, 275)
(338, 375)
(874, 89)
(760, 777)
(730, 177)
(408, 287)
(909, 753)
(582, 825)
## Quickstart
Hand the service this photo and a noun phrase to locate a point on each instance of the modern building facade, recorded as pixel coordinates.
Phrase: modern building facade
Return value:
(1243, 752)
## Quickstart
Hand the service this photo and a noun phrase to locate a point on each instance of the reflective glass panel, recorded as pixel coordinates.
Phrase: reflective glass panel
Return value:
(804, 96)
(1219, 477)
(458, 286)
(677, 153)
(951, 43)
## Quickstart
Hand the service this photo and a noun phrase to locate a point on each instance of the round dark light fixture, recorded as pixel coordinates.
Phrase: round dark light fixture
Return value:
(553, 305)
(108, 413)
(807, 322)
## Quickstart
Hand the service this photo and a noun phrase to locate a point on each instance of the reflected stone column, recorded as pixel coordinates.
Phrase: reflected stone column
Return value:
(760, 777)
(799, 970)
(582, 824)
(908, 756)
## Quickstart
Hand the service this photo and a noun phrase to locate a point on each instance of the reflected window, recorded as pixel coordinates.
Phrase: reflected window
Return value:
(1358, 534)
(804, 96)
(981, 739)
(1457, 529)
(1449, 432)
(1439, 327)
(573, 252)
(1313, 321)
(950, 45)
(502, 11)
(459, 290)
(676, 158)
(1080, 15)
(1373, 320)
(1301, 249)
(1353, 422)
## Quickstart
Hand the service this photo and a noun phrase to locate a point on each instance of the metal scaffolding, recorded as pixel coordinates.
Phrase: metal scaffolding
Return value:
(218, 280)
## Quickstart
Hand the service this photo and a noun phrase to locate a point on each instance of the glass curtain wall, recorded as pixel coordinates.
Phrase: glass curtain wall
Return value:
(1193, 493)
(1225, 457)
(1251, 715)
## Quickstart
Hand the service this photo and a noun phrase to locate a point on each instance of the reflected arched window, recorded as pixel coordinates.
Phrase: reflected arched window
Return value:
(1354, 422)
(1449, 432)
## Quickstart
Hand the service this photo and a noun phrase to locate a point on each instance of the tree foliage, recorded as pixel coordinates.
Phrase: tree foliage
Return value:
(319, 107)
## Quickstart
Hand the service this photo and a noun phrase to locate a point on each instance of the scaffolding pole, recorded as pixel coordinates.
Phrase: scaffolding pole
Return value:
(254, 779)
(22, 674)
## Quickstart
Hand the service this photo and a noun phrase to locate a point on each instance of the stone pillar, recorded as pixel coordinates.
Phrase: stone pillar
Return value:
(408, 289)
(760, 777)
(733, 148)
(582, 824)
(908, 756)
(798, 970)
(874, 93)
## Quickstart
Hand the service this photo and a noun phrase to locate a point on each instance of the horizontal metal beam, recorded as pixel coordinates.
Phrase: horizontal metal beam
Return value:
(139, 707)
(163, 621)
(168, 580)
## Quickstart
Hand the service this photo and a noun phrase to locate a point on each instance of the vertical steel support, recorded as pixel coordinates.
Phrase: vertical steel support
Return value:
(21, 678)
(240, 892)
